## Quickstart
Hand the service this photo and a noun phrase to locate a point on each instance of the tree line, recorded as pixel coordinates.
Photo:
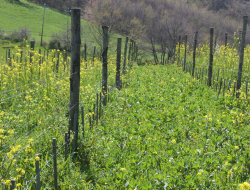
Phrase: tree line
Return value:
(160, 22)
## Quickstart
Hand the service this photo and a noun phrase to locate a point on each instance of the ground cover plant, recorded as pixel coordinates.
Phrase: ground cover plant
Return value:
(166, 130)
(34, 109)
(225, 61)
(163, 130)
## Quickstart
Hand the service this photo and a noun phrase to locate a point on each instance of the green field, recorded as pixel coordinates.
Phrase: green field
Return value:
(30, 15)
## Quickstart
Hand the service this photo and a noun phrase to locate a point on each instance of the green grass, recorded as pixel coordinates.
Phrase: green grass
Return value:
(163, 129)
(25, 14)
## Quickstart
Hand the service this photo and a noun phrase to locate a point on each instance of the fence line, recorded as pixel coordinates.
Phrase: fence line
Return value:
(61, 77)
(34, 88)
(33, 83)
(20, 137)
(34, 140)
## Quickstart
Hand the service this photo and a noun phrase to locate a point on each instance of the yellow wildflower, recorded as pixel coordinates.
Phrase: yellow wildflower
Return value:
(173, 141)
(123, 169)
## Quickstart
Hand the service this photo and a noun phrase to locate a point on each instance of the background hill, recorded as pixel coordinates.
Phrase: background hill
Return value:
(156, 23)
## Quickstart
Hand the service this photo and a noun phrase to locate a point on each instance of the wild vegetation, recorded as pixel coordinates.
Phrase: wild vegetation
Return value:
(164, 129)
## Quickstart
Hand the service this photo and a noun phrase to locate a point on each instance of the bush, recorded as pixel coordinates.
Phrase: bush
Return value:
(53, 44)
(18, 36)
(61, 38)
(1, 34)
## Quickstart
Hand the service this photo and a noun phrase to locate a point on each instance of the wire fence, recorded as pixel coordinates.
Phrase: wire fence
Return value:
(39, 93)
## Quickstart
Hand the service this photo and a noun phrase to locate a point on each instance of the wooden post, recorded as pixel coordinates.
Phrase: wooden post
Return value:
(40, 60)
(234, 88)
(94, 54)
(75, 66)
(93, 117)
(220, 86)
(38, 182)
(210, 67)
(174, 48)
(179, 51)
(195, 44)
(82, 122)
(118, 63)
(129, 50)
(90, 112)
(125, 56)
(136, 54)
(75, 132)
(97, 107)
(55, 164)
(100, 105)
(13, 184)
(32, 45)
(226, 40)
(246, 88)
(185, 53)
(58, 56)
(66, 146)
(229, 84)
(224, 86)
(105, 64)
(245, 18)
(133, 50)
(85, 52)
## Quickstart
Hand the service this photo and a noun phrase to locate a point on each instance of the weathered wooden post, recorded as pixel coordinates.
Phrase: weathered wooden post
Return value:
(245, 20)
(225, 39)
(174, 48)
(134, 51)
(185, 53)
(13, 184)
(55, 164)
(195, 44)
(66, 146)
(94, 54)
(179, 51)
(97, 108)
(85, 52)
(210, 67)
(58, 57)
(32, 45)
(38, 183)
(83, 131)
(40, 60)
(105, 64)
(75, 132)
(118, 63)
(100, 105)
(246, 88)
(75, 68)
(129, 50)
(125, 56)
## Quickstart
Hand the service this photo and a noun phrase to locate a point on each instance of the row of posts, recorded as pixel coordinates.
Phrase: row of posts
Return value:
(101, 98)
(210, 67)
